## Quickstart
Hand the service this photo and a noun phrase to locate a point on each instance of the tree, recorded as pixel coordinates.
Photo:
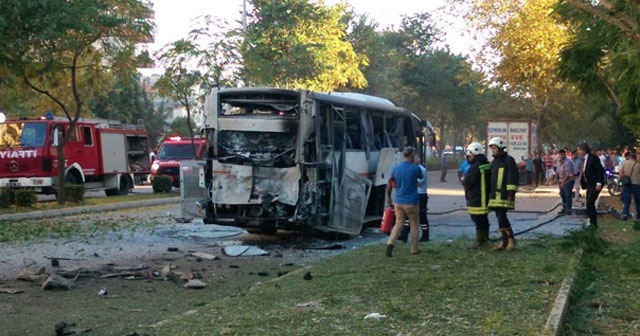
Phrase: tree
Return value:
(67, 50)
(128, 102)
(205, 59)
(601, 59)
(298, 44)
(182, 126)
(523, 50)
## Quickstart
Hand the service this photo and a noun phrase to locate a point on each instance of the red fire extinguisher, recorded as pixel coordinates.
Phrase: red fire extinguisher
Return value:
(388, 220)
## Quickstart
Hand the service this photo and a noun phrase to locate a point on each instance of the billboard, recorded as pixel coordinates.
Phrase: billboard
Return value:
(519, 134)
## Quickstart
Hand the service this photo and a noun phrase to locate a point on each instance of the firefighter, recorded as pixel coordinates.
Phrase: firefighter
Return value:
(476, 191)
(502, 195)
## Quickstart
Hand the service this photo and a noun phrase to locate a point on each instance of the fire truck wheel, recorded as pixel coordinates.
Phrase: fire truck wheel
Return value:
(122, 190)
(124, 186)
(71, 178)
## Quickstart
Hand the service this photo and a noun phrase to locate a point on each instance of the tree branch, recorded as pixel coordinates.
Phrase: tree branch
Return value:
(625, 23)
(46, 93)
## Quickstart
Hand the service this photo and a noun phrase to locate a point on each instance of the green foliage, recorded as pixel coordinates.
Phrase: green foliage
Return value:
(161, 184)
(183, 127)
(74, 192)
(127, 102)
(300, 44)
(6, 197)
(25, 198)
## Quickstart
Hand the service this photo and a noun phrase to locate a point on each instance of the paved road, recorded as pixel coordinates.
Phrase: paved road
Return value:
(535, 213)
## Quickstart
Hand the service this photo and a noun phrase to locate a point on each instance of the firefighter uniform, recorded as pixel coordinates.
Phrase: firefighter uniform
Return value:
(476, 191)
(502, 195)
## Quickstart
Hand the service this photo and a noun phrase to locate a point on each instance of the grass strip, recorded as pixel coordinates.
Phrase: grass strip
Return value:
(449, 289)
(605, 299)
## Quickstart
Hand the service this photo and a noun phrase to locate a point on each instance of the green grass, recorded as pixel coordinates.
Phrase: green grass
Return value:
(449, 289)
(89, 201)
(606, 300)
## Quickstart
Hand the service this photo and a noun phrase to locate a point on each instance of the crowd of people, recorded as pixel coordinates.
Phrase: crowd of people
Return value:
(492, 186)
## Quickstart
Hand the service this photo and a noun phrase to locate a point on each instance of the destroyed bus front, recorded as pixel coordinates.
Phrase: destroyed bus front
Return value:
(254, 180)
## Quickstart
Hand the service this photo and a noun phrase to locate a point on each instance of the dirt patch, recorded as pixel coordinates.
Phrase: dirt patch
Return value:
(141, 295)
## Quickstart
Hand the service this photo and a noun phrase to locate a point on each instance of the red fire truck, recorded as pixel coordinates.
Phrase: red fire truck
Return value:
(101, 154)
(173, 150)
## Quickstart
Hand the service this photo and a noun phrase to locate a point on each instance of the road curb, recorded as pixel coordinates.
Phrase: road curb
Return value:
(89, 209)
(560, 305)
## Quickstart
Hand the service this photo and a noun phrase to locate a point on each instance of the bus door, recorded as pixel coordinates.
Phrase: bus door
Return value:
(348, 191)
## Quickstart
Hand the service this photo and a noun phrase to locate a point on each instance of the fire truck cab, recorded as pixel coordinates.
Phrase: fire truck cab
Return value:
(173, 150)
(100, 154)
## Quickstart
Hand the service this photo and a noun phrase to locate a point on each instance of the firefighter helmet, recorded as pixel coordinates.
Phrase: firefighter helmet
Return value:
(475, 148)
(498, 142)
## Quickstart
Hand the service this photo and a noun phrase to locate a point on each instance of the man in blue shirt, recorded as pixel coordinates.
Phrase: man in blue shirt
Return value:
(404, 177)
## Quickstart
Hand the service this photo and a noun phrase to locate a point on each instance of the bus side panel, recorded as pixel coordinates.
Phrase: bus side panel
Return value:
(388, 158)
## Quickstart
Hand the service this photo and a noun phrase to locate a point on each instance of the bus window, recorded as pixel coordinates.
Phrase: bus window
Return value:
(377, 120)
(354, 130)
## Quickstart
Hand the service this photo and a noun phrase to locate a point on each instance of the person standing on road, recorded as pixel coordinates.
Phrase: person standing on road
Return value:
(444, 162)
(476, 191)
(629, 168)
(502, 195)
(565, 182)
(405, 176)
(538, 170)
(423, 200)
(578, 163)
(592, 181)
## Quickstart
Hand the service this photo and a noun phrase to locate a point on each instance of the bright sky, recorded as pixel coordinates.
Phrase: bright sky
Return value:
(174, 17)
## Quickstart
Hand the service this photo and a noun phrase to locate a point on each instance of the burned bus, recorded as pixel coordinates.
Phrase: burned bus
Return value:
(302, 160)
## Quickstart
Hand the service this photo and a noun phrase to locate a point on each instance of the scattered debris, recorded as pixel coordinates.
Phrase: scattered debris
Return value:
(205, 256)
(375, 316)
(195, 284)
(8, 290)
(55, 261)
(310, 305)
(62, 328)
(307, 276)
(326, 247)
(34, 276)
(102, 291)
(243, 250)
(54, 281)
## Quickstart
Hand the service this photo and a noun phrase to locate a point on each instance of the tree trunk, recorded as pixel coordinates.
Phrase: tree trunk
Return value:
(61, 169)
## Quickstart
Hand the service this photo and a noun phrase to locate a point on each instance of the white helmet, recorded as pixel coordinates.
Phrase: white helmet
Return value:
(475, 148)
(499, 142)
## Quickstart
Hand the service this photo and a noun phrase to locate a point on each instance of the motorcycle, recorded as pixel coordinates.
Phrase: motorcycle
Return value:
(613, 183)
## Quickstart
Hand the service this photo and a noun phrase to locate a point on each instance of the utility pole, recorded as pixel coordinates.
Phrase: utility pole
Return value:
(244, 16)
